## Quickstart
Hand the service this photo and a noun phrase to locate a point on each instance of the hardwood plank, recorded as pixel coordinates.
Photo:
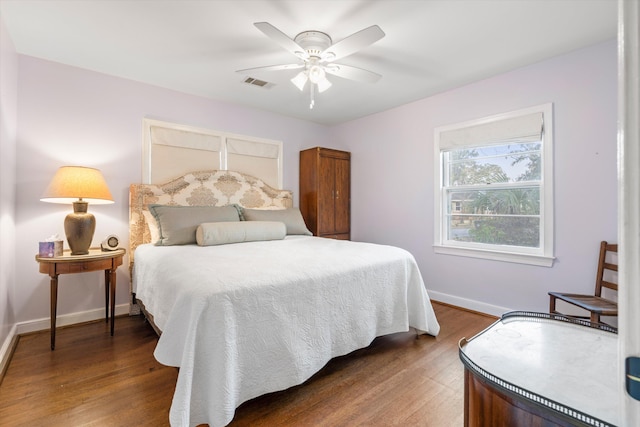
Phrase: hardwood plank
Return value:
(90, 379)
(94, 379)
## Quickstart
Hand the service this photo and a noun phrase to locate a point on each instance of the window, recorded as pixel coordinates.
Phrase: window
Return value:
(172, 149)
(494, 195)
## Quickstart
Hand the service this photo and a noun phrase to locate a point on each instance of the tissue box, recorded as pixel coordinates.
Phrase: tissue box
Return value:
(50, 249)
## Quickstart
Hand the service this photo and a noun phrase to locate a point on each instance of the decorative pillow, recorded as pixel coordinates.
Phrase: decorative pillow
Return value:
(221, 233)
(178, 224)
(263, 208)
(152, 225)
(291, 217)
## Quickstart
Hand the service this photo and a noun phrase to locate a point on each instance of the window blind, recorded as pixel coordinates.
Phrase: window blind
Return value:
(526, 128)
(253, 148)
(186, 139)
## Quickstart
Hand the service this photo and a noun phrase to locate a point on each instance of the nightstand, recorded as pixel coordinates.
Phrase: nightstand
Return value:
(95, 260)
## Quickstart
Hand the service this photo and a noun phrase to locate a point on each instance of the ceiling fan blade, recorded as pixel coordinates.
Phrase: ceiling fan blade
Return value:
(282, 39)
(272, 68)
(353, 43)
(352, 73)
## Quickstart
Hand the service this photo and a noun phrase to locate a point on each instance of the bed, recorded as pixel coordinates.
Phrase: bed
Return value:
(244, 313)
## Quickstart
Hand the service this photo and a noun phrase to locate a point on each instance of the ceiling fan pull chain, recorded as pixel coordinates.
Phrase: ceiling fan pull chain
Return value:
(312, 91)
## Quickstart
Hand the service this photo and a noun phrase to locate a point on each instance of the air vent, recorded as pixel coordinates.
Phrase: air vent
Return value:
(257, 82)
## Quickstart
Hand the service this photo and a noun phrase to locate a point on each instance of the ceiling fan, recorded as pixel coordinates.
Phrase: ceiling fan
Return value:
(316, 53)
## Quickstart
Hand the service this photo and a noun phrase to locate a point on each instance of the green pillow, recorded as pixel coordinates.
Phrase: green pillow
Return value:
(291, 217)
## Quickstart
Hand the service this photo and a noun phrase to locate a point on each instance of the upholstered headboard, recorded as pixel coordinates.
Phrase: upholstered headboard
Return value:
(202, 188)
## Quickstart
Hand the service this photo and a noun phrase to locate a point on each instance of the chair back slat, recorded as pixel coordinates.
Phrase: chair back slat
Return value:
(606, 264)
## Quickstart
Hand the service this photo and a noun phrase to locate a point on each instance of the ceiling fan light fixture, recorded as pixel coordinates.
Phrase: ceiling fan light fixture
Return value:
(316, 74)
(300, 80)
(323, 84)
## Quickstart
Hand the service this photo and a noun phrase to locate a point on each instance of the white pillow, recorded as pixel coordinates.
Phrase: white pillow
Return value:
(222, 233)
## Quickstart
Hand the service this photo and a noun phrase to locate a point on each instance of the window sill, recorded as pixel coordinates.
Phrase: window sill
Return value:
(538, 260)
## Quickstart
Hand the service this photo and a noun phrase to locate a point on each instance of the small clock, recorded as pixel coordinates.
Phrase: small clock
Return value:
(110, 243)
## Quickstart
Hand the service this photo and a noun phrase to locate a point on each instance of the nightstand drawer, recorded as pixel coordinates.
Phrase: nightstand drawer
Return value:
(79, 267)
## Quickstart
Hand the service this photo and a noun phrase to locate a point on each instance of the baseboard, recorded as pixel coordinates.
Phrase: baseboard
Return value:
(67, 319)
(469, 304)
(7, 349)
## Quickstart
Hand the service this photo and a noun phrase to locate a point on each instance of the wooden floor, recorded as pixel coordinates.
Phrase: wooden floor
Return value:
(93, 379)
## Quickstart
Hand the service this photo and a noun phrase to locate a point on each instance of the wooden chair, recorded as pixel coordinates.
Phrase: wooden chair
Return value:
(595, 304)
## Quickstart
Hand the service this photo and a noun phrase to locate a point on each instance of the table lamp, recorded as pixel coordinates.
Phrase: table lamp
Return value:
(78, 185)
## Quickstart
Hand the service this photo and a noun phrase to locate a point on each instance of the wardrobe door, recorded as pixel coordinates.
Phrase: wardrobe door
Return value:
(326, 195)
(342, 217)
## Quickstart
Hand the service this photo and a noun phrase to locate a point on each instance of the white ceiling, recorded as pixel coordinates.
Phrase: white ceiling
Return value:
(196, 46)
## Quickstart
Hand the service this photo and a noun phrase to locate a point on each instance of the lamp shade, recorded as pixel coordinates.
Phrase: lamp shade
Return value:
(71, 183)
(323, 84)
(300, 80)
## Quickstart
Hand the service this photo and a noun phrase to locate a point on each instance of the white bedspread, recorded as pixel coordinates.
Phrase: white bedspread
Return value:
(245, 319)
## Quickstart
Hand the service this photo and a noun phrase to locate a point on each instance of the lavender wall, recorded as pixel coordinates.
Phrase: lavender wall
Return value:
(393, 178)
(68, 115)
(8, 106)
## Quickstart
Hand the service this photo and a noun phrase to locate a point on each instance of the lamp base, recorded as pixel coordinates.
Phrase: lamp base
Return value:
(79, 227)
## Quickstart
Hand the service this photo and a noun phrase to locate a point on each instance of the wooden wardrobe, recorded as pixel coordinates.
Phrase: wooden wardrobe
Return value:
(325, 192)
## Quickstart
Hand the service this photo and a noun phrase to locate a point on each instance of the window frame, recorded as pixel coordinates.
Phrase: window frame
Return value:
(542, 256)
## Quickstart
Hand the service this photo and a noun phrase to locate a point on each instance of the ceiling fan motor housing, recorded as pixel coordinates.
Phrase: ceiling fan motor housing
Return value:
(313, 42)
